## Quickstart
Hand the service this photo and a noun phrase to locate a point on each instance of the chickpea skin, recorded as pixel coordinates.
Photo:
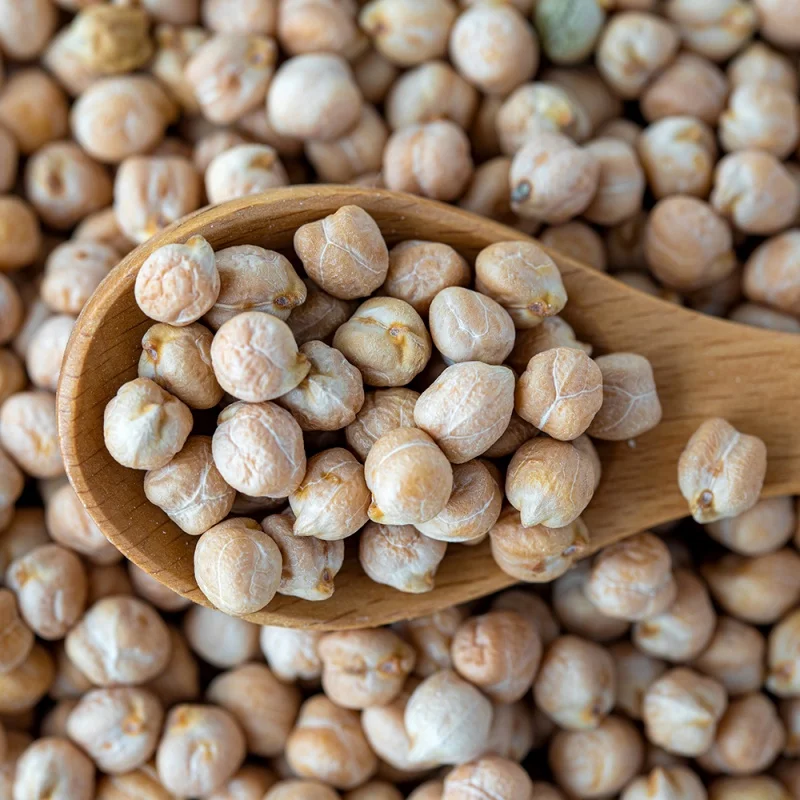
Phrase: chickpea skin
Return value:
(569, 33)
(53, 768)
(237, 566)
(28, 433)
(598, 762)
(386, 340)
(430, 159)
(73, 271)
(494, 48)
(201, 748)
(20, 234)
(383, 410)
(119, 641)
(258, 449)
(328, 744)
(552, 179)
(490, 774)
(536, 476)
(319, 316)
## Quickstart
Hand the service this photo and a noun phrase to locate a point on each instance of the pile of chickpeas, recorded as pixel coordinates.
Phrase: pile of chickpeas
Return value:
(654, 140)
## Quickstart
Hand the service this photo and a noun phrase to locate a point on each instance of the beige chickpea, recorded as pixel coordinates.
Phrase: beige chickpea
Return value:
(309, 564)
(118, 728)
(12, 309)
(144, 426)
(46, 351)
(734, 656)
(635, 673)
(469, 326)
(151, 192)
(179, 682)
(620, 185)
(552, 179)
(102, 227)
(246, 16)
(432, 636)
(717, 31)
(313, 96)
(53, 768)
(119, 641)
(25, 30)
(374, 74)
(536, 472)
(768, 277)
(756, 192)
(678, 155)
(577, 241)
(553, 332)
(664, 783)
(34, 108)
(598, 762)
(200, 749)
(536, 554)
(383, 410)
(344, 253)
(25, 530)
(531, 606)
(54, 723)
(28, 433)
(760, 317)
(16, 638)
(109, 579)
(386, 340)
(190, 489)
(258, 449)
(560, 392)
(633, 48)
(621, 128)
(760, 62)
(721, 471)
(632, 579)
(307, 26)
(431, 91)
(120, 117)
(777, 22)
(328, 744)
(430, 790)
(153, 591)
(447, 720)
(783, 656)
(472, 510)
(790, 715)
(358, 151)
(73, 271)
(523, 279)
(499, 652)
(213, 144)
(576, 685)
(20, 235)
(22, 687)
(12, 484)
(490, 775)
(760, 787)
(392, 26)
(298, 789)
(9, 160)
(681, 710)
(292, 653)
(400, 556)
(488, 191)
(685, 629)
(517, 432)
(12, 376)
(174, 46)
(494, 48)
(364, 668)
(319, 316)
(237, 566)
(749, 737)
(431, 159)
(760, 116)
(513, 732)
(765, 527)
(50, 584)
(691, 85)
(375, 790)
(221, 640)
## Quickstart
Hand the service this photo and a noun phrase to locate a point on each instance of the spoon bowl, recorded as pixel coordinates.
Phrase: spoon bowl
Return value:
(703, 367)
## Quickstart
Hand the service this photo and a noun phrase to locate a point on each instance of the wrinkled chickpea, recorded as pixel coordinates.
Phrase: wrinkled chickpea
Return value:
(492, 775)
(243, 170)
(28, 433)
(383, 410)
(551, 333)
(319, 316)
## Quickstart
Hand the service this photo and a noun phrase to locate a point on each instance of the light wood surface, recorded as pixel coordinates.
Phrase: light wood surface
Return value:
(703, 367)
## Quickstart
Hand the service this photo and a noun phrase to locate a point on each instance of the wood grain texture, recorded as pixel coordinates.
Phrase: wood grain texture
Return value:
(703, 367)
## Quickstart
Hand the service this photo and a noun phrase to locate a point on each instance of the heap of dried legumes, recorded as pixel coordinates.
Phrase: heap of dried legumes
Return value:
(655, 140)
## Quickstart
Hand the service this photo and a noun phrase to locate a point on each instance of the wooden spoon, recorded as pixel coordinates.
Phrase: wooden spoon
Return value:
(704, 367)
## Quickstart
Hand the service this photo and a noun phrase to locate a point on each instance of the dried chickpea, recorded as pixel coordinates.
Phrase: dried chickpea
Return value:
(734, 656)
(328, 744)
(34, 108)
(101, 227)
(517, 432)
(490, 775)
(577, 241)
(531, 606)
(760, 317)
(778, 22)
(635, 673)
(537, 476)
(344, 253)
(494, 48)
(760, 62)
(258, 449)
(552, 179)
(298, 789)
(717, 31)
(46, 351)
(568, 32)
(50, 584)
(246, 16)
(487, 193)
(250, 782)
(760, 787)
(174, 46)
(54, 723)
(12, 377)
(598, 762)
(25, 530)
(292, 654)
(374, 74)
(665, 783)
(12, 484)
(431, 159)
(201, 748)
(375, 790)
(26, 28)
(620, 128)
(784, 656)
(790, 714)
(22, 687)
(20, 236)
(229, 74)
(53, 768)
(576, 685)
(551, 333)
(768, 274)
(386, 340)
(536, 554)
(513, 733)
(12, 309)
(16, 638)
(383, 410)
(120, 117)
(721, 471)
(620, 185)
(28, 433)
(219, 639)
(633, 48)
(765, 527)
(760, 116)
(313, 96)
(393, 26)
(685, 629)
(151, 192)
(430, 790)
(431, 637)
(73, 271)
(179, 682)
(69, 682)
(632, 579)
(307, 26)
(750, 736)
(319, 316)
(678, 154)
(237, 566)
(213, 144)
(152, 590)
